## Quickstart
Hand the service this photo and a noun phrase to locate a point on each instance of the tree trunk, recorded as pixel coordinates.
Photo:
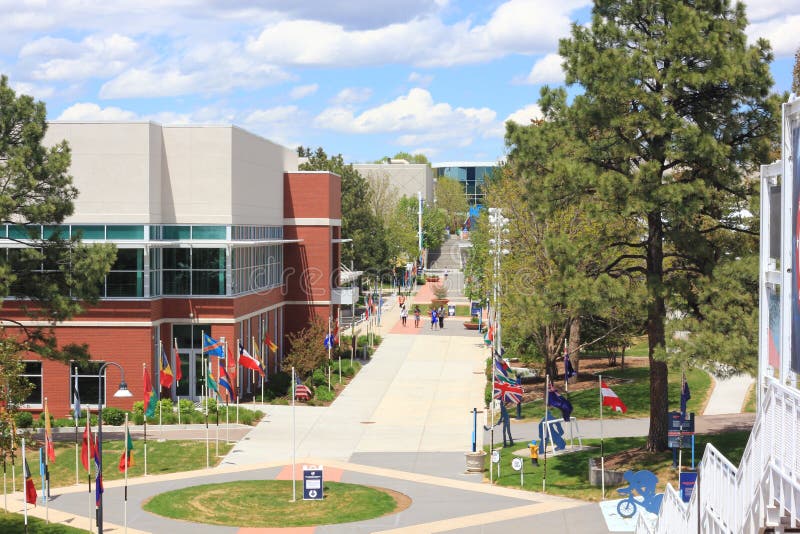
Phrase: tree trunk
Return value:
(657, 435)
(575, 343)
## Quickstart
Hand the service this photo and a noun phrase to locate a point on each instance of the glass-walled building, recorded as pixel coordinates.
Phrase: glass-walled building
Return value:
(216, 232)
(471, 174)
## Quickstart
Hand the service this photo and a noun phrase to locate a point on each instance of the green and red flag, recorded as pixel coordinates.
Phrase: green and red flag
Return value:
(126, 460)
(150, 398)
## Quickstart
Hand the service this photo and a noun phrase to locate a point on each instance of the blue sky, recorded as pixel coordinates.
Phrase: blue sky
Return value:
(364, 79)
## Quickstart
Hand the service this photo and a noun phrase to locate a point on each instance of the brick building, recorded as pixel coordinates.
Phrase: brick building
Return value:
(216, 231)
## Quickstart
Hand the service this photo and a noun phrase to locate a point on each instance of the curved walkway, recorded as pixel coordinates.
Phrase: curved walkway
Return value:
(729, 394)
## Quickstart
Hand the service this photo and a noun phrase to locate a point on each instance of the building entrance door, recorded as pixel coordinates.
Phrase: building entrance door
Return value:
(189, 342)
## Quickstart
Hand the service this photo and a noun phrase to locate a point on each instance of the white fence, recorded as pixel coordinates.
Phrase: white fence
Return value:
(764, 490)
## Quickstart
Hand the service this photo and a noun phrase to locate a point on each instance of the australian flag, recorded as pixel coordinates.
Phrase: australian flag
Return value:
(569, 371)
(558, 401)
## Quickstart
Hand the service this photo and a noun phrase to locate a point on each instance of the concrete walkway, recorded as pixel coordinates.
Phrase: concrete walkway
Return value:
(729, 394)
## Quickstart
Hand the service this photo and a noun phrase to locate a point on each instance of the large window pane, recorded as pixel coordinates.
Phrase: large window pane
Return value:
(208, 258)
(89, 231)
(175, 232)
(176, 258)
(208, 232)
(176, 282)
(89, 386)
(125, 232)
(208, 282)
(129, 259)
(18, 231)
(33, 373)
(124, 284)
(61, 232)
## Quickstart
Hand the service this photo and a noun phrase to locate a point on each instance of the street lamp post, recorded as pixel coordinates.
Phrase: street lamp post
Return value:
(122, 391)
(498, 225)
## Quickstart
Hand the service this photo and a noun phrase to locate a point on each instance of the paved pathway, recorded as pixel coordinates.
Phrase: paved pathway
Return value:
(729, 394)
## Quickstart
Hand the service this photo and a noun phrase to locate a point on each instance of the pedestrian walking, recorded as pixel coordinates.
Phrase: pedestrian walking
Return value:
(403, 314)
(441, 318)
(416, 316)
(434, 319)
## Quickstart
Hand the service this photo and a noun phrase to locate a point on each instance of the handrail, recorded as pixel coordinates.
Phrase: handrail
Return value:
(765, 485)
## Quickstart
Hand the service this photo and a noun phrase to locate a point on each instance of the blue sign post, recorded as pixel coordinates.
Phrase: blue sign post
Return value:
(312, 483)
(686, 483)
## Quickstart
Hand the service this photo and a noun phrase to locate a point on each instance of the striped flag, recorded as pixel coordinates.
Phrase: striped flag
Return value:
(213, 347)
(150, 398)
(178, 373)
(269, 343)
(48, 436)
(302, 391)
(126, 460)
(225, 382)
(611, 399)
(165, 370)
(247, 360)
(30, 487)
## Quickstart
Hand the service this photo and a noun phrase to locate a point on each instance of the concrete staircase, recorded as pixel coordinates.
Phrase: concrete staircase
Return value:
(448, 256)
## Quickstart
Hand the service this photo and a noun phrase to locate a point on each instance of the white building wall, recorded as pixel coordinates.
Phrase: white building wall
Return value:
(111, 167)
(140, 173)
(407, 178)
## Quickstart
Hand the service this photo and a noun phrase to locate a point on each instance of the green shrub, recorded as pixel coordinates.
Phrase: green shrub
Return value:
(350, 369)
(186, 407)
(137, 418)
(245, 417)
(24, 419)
(318, 378)
(420, 281)
(165, 405)
(278, 384)
(113, 416)
(323, 394)
(211, 406)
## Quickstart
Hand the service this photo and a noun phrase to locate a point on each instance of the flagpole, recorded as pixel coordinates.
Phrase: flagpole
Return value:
(177, 370)
(77, 479)
(127, 461)
(602, 455)
(5, 490)
(294, 469)
(330, 345)
(546, 433)
(146, 402)
(566, 378)
(491, 432)
(90, 444)
(160, 367)
(24, 489)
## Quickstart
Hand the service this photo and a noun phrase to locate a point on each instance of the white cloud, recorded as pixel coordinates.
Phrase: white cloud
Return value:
(281, 124)
(88, 111)
(781, 33)
(352, 95)
(421, 80)
(95, 56)
(302, 91)
(758, 10)
(525, 115)
(547, 70)
(37, 91)
(515, 27)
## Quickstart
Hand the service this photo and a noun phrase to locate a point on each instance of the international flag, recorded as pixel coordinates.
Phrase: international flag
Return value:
(557, 400)
(230, 370)
(126, 460)
(247, 360)
(165, 371)
(336, 334)
(76, 401)
(507, 390)
(212, 347)
(210, 382)
(685, 396)
(328, 341)
(610, 399)
(270, 344)
(48, 436)
(178, 373)
(569, 371)
(150, 398)
(88, 445)
(225, 381)
(301, 391)
(501, 367)
(30, 487)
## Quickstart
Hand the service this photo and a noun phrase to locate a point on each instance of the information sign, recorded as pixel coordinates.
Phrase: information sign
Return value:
(686, 483)
(312, 483)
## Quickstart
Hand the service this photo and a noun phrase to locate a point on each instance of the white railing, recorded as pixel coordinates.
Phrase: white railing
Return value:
(764, 488)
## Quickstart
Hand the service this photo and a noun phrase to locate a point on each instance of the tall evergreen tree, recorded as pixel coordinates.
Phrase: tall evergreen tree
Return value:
(675, 112)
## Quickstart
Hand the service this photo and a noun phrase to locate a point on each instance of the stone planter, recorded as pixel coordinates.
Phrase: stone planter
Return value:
(475, 461)
(440, 302)
(471, 326)
(432, 278)
(613, 478)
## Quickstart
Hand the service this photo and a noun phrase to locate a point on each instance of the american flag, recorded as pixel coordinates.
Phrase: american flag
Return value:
(301, 391)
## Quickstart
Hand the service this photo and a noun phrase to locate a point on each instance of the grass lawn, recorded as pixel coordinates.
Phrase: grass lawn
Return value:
(568, 474)
(635, 394)
(267, 503)
(162, 457)
(750, 399)
(13, 523)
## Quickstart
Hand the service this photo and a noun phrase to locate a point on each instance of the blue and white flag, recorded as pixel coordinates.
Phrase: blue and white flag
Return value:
(76, 401)
(328, 341)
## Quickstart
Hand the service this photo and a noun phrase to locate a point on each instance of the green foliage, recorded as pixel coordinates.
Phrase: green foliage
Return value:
(113, 416)
(186, 407)
(323, 394)
(278, 383)
(23, 419)
(411, 158)
(451, 200)
(11, 522)
(318, 377)
(350, 369)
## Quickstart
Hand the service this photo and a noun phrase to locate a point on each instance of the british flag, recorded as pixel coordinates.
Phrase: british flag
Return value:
(507, 390)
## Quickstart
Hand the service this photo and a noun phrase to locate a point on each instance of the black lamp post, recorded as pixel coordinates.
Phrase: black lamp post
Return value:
(122, 391)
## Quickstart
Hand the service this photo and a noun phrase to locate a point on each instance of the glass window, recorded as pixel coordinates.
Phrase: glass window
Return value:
(176, 232)
(57, 231)
(208, 258)
(125, 232)
(89, 231)
(33, 373)
(176, 258)
(208, 232)
(89, 386)
(126, 278)
(19, 231)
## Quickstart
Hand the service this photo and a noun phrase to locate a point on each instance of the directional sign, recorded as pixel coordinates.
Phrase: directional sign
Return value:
(516, 463)
(312, 483)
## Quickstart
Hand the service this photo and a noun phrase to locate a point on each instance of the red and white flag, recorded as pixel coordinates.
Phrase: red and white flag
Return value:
(610, 398)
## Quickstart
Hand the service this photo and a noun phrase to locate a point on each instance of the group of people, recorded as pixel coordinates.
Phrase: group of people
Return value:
(437, 318)
(404, 315)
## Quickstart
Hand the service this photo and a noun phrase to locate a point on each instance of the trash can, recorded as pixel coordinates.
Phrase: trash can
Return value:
(533, 446)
